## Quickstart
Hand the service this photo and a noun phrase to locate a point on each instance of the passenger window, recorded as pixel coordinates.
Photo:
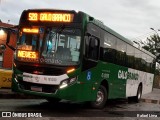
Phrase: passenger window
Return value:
(121, 53)
(109, 48)
(149, 63)
(138, 55)
(130, 56)
(144, 61)
(109, 41)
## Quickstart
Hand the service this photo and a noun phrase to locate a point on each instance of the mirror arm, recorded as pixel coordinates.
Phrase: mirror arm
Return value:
(10, 29)
(13, 27)
(7, 42)
(10, 47)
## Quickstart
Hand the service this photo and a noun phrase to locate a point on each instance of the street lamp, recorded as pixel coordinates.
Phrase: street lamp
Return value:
(155, 31)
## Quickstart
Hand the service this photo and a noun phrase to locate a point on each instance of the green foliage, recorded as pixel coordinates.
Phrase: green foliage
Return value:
(152, 44)
(157, 72)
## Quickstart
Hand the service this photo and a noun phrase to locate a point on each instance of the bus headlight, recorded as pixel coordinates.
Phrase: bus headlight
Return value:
(66, 82)
(63, 84)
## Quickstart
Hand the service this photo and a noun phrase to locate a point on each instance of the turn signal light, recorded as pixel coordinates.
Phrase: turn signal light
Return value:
(70, 70)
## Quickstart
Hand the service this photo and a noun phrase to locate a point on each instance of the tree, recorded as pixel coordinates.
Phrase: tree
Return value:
(152, 44)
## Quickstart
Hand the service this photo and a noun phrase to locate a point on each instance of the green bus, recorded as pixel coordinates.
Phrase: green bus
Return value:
(67, 54)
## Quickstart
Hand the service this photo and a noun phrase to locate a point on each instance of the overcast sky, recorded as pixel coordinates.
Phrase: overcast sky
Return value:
(131, 18)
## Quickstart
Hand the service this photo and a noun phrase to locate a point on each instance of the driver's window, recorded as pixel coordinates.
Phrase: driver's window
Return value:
(92, 48)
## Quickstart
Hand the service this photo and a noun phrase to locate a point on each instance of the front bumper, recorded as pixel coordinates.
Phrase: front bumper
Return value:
(72, 92)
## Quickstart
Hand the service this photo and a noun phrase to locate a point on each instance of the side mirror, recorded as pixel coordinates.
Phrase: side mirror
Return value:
(2, 47)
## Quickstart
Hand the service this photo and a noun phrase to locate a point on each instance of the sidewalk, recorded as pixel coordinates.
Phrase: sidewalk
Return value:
(153, 97)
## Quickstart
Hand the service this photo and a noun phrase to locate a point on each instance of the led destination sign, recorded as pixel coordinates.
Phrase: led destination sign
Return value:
(27, 54)
(30, 30)
(50, 17)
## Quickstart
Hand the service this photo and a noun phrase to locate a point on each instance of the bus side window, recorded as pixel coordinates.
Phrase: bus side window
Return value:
(121, 52)
(153, 65)
(149, 59)
(144, 62)
(109, 48)
(130, 56)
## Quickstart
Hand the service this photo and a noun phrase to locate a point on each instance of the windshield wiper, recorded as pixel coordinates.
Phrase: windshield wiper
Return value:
(60, 29)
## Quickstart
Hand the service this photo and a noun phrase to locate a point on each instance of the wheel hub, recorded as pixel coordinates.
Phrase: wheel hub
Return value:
(100, 97)
(139, 94)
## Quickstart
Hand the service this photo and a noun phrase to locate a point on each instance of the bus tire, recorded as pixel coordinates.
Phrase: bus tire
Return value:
(139, 94)
(101, 99)
(53, 100)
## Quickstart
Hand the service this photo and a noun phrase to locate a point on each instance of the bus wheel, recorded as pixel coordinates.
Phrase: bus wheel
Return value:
(139, 94)
(101, 98)
(53, 100)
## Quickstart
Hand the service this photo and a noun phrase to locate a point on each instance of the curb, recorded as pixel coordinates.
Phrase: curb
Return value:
(150, 101)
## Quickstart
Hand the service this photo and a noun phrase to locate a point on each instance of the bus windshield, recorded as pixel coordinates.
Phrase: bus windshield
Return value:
(52, 45)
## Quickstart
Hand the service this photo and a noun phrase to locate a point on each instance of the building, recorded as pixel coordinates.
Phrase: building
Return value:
(6, 57)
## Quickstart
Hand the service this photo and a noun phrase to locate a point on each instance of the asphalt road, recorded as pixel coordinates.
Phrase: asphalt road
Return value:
(114, 110)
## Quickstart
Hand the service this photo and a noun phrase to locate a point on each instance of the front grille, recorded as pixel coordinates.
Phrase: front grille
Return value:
(44, 70)
(45, 88)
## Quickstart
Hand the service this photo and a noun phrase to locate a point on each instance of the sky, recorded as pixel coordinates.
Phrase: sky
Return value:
(130, 18)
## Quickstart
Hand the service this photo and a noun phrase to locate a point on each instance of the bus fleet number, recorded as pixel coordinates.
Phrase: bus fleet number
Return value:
(105, 75)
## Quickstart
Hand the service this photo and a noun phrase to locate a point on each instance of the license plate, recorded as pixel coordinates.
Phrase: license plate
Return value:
(35, 88)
